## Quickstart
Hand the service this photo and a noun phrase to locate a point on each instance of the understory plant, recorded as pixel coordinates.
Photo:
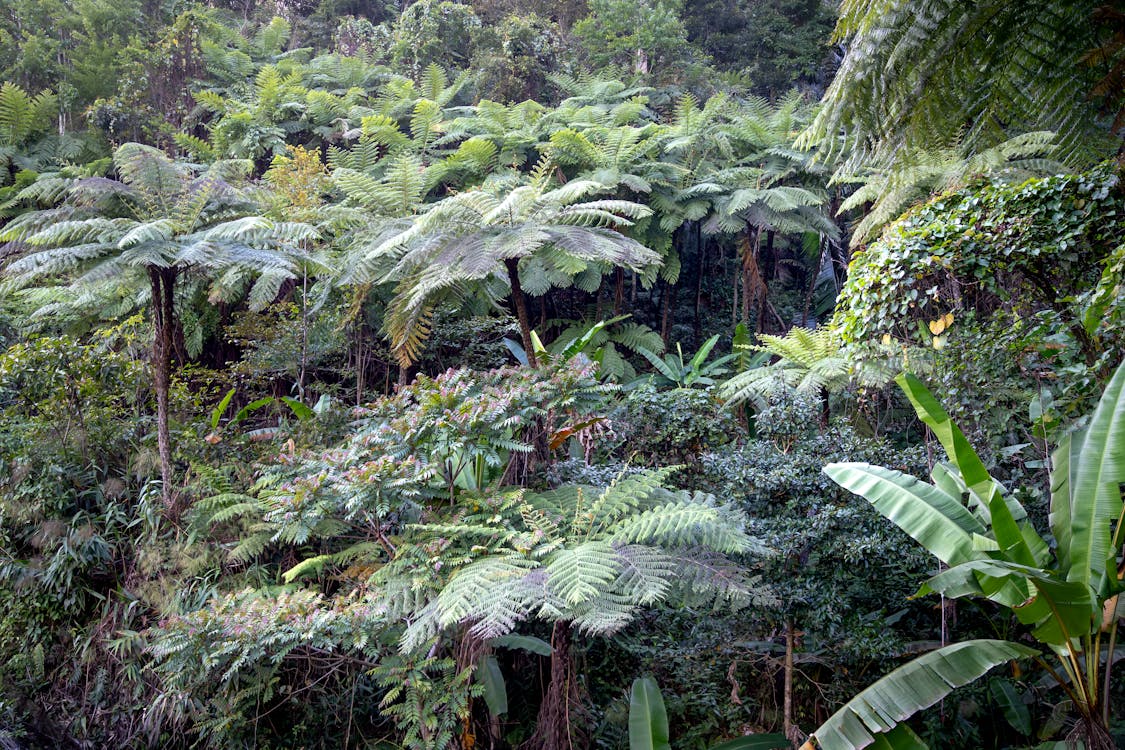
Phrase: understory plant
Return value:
(1068, 596)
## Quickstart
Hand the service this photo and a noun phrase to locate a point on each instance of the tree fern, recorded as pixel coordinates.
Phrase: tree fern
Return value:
(593, 556)
(918, 74)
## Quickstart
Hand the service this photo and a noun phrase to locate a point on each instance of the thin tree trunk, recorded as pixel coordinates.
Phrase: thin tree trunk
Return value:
(619, 292)
(553, 725)
(766, 268)
(701, 258)
(787, 705)
(163, 282)
(304, 334)
(519, 302)
(666, 313)
(752, 283)
(812, 282)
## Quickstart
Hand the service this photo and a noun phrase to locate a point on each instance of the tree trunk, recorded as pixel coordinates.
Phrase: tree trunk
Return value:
(619, 292)
(701, 258)
(753, 285)
(766, 268)
(553, 725)
(787, 701)
(519, 302)
(163, 282)
(666, 314)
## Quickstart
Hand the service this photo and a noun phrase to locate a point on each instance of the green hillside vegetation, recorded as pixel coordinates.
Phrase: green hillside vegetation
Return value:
(508, 374)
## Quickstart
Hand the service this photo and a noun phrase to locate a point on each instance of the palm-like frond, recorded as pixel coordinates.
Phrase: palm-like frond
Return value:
(807, 361)
(469, 236)
(918, 74)
(592, 556)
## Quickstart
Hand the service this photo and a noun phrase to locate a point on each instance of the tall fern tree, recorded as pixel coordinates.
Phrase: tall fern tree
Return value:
(158, 223)
(925, 74)
(583, 558)
(519, 229)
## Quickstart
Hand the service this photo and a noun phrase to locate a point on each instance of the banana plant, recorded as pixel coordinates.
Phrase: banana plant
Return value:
(648, 724)
(1068, 596)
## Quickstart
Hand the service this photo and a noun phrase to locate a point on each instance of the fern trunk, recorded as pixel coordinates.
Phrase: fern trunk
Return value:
(562, 700)
(519, 302)
(163, 283)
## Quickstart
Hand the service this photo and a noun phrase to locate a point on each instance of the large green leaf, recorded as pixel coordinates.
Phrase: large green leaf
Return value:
(648, 721)
(755, 742)
(1011, 703)
(901, 737)
(1060, 610)
(488, 674)
(910, 688)
(934, 519)
(956, 445)
(527, 643)
(1095, 491)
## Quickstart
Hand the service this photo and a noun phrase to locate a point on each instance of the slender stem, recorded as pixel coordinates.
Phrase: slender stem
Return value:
(1058, 678)
(520, 303)
(1108, 671)
(1093, 657)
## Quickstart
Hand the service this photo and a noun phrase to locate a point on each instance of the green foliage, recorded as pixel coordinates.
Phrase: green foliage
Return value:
(1029, 246)
(434, 31)
(871, 718)
(428, 698)
(671, 425)
(648, 721)
(772, 46)
(993, 552)
(806, 362)
(220, 663)
(674, 371)
(588, 556)
(641, 35)
(919, 75)
(515, 65)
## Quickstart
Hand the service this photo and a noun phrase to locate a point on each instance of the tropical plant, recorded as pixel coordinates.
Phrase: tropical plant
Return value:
(1068, 596)
(920, 174)
(599, 341)
(921, 75)
(536, 235)
(673, 371)
(583, 558)
(160, 223)
(648, 723)
(807, 361)
(1030, 246)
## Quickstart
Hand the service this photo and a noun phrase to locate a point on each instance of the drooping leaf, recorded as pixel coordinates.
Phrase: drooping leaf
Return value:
(527, 643)
(934, 519)
(648, 721)
(1095, 487)
(495, 689)
(910, 688)
(1008, 698)
(755, 742)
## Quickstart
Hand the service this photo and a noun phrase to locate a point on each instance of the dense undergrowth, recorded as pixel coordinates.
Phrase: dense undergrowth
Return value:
(421, 377)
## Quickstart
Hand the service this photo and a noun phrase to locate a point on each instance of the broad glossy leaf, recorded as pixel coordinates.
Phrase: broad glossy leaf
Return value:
(648, 721)
(912, 687)
(957, 447)
(1060, 610)
(492, 679)
(526, 642)
(934, 519)
(1011, 703)
(1095, 491)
